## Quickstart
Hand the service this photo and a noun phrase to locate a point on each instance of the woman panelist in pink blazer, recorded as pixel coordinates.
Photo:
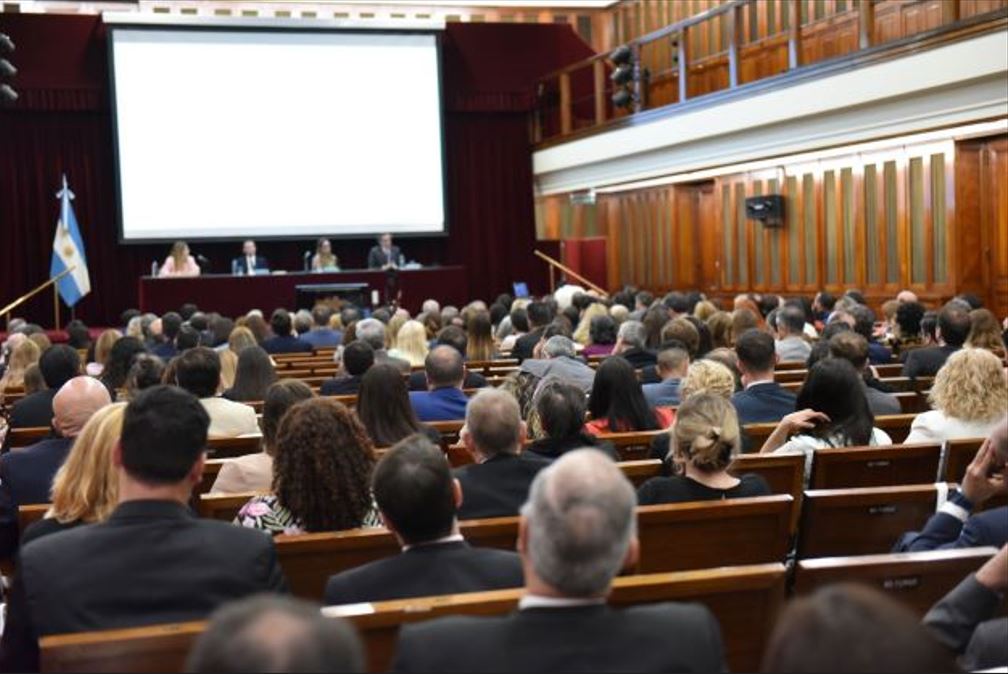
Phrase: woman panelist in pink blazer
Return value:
(179, 262)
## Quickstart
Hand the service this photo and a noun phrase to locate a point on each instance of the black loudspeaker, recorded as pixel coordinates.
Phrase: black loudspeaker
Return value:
(768, 209)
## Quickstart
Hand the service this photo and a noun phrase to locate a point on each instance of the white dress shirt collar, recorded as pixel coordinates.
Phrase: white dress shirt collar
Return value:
(757, 383)
(530, 601)
(452, 538)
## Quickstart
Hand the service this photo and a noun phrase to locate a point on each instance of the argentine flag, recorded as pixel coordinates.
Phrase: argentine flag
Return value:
(68, 251)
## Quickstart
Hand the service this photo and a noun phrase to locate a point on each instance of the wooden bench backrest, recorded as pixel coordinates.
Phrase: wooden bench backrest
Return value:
(840, 522)
(632, 446)
(746, 601)
(22, 437)
(639, 472)
(211, 469)
(918, 579)
(224, 448)
(896, 425)
(958, 455)
(784, 473)
(845, 467)
(30, 514)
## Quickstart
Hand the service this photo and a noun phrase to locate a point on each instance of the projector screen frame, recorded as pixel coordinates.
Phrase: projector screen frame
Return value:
(247, 27)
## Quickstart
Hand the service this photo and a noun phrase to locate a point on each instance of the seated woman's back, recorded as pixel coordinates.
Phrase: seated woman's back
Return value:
(321, 474)
(383, 406)
(617, 402)
(704, 440)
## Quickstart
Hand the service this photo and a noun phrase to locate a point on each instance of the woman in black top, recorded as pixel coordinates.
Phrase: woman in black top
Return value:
(561, 409)
(704, 440)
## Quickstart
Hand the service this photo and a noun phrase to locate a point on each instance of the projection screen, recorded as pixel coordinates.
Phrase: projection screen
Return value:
(234, 133)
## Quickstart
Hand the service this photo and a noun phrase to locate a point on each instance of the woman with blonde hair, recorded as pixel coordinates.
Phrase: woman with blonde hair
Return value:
(25, 354)
(704, 440)
(720, 326)
(985, 333)
(102, 348)
(582, 334)
(704, 310)
(392, 330)
(968, 399)
(479, 332)
(708, 377)
(411, 343)
(86, 487)
(179, 262)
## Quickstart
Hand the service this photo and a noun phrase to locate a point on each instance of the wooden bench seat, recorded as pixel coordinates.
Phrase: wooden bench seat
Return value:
(746, 601)
(633, 446)
(28, 435)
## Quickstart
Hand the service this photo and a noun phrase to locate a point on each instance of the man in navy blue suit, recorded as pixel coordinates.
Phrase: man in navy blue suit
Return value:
(953, 526)
(249, 264)
(763, 399)
(443, 400)
(26, 474)
(284, 340)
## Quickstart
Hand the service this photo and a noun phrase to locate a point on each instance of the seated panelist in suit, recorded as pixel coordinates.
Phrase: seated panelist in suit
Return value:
(497, 482)
(418, 500)
(577, 532)
(99, 577)
(249, 264)
(384, 255)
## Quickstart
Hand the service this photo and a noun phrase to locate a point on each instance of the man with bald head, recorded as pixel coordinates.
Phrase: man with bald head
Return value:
(26, 474)
(906, 296)
(443, 400)
(577, 531)
(497, 482)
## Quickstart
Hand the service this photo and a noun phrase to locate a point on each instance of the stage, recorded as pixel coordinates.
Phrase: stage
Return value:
(235, 295)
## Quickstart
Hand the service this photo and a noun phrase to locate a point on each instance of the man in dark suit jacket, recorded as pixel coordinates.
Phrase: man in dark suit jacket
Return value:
(952, 526)
(358, 357)
(384, 255)
(418, 501)
(153, 561)
(171, 324)
(249, 264)
(631, 345)
(497, 482)
(538, 318)
(951, 333)
(284, 340)
(58, 365)
(576, 534)
(453, 336)
(763, 399)
(26, 474)
(445, 400)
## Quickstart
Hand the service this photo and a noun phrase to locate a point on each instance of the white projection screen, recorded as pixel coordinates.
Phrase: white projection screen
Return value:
(235, 133)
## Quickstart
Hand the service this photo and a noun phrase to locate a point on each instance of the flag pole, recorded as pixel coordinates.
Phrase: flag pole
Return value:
(56, 311)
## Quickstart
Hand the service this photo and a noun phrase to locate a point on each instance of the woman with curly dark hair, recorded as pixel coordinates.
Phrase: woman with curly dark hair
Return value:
(321, 474)
(120, 360)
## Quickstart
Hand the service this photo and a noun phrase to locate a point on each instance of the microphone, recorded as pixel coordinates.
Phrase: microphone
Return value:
(204, 262)
(307, 260)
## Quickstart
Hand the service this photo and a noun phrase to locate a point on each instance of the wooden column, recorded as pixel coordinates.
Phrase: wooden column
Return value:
(794, 34)
(951, 11)
(598, 69)
(565, 104)
(735, 32)
(683, 64)
(866, 23)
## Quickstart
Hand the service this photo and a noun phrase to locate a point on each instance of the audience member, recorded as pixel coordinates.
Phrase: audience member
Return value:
(827, 418)
(254, 472)
(198, 372)
(171, 323)
(26, 475)
(254, 374)
(560, 362)
(985, 333)
(720, 326)
(283, 339)
(321, 335)
(419, 500)
(85, 488)
(496, 483)
(479, 332)
(372, 331)
(631, 345)
(708, 376)
(672, 366)
(100, 350)
(538, 315)
(864, 325)
(591, 310)
(965, 620)
(410, 342)
(358, 358)
(953, 330)
(58, 365)
(519, 328)
(617, 402)
(791, 346)
(560, 408)
(705, 439)
(444, 400)
(577, 531)
(456, 338)
(953, 526)
(147, 371)
(119, 362)
(851, 628)
(682, 330)
(25, 353)
(763, 399)
(34, 382)
(744, 320)
(321, 473)
(70, 583)
(654, 320)
(853, 347)
(275, 634)
(383, 406)
(968, 399)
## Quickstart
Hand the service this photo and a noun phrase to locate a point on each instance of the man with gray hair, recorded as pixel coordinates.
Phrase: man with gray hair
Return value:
(560, 363)
(372, 331)
(577, 531)
(497, 482)
(791, 346)
(631, 344)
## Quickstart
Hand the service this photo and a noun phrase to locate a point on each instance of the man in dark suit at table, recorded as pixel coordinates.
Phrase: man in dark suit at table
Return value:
(953, 329)
(152, 561)
(249, 264)
(497, 482)
(59, 364)
(576, 533)
(284, 340)
(418, 501)
(384, 255)
(763, 399)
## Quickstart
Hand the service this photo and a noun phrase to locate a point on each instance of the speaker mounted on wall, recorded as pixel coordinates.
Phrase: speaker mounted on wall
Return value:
(767, 209)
